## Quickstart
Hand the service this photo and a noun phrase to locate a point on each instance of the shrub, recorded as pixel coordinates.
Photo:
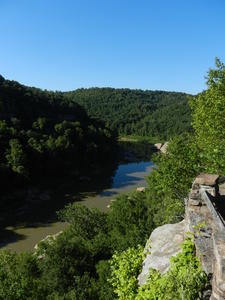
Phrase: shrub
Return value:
(184, 280)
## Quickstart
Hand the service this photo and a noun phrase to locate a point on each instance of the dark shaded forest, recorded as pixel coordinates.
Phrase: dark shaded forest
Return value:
(43, 134)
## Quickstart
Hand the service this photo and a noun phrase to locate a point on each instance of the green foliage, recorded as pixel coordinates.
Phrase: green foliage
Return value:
(184, 280)
(176, 170)
(127, 224)
(189, 155)
(170, 182)
(85, 247)
(209, 120)
(84, 222)
(105, 289)
(43, 134)
(125, 268)
(18, 276)
(90, 227)
(15, 157)
(155, 114)
(67, 264)
(130, 221)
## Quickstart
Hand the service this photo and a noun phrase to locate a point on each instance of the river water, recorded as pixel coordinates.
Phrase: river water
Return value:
(126, 177)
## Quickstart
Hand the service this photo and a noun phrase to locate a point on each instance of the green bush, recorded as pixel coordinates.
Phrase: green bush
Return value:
(125, 267)
(130, 221)
(170, 182)
(208, 120)
(19, 276)
(184, 279)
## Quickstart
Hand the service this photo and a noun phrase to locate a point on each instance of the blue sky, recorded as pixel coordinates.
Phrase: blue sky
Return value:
(68, 44)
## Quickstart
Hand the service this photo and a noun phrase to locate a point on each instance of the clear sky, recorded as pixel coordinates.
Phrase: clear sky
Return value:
(147, 44)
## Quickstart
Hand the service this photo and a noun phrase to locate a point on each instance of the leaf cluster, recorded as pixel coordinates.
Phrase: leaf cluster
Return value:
(184, 279)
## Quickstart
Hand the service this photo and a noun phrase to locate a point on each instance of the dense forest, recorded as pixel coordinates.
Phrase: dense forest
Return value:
(43, 134)
(156, 114)
(99, 255)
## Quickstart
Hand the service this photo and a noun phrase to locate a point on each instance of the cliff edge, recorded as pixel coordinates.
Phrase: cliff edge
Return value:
(205, 219)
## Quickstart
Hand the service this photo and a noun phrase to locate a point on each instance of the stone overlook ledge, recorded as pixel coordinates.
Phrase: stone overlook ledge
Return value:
(205, 213)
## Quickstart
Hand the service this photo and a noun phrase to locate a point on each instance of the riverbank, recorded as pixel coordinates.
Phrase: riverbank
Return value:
(127, 178)
(139, 139)
(37, 218)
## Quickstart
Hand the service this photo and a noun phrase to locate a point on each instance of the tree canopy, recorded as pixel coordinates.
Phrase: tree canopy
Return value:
(208, 120)
(156, 114)
(43, 134)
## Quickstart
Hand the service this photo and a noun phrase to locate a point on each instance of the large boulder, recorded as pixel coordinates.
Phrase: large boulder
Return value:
(158, 146)
(140, 189)
(161, 147)
(164, 242)
(164, 147)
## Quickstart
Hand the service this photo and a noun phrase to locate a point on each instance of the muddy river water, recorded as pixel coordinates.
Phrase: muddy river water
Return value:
(127, 177)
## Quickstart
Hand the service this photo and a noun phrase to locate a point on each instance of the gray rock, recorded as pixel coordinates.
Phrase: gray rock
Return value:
(140, 189)
(206, 179)
(204, 220)
(194, 202)
(164, 147)
(164, 242)
(158, 145)
(219, 266)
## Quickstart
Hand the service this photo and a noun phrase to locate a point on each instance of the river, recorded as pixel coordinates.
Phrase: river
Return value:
(23, 236)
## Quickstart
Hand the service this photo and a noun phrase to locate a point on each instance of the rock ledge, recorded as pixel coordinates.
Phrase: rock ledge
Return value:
(164, 242)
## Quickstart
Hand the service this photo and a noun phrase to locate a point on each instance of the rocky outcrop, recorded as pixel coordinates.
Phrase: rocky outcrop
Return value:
(202, 209)
(140, 189)
(161, 147)
(49, 239)
(158, 146)
(164, 147)
(206, 221)
(164, 242)
(218, 263)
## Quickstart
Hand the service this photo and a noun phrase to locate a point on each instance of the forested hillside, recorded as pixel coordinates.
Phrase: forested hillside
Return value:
(43, 133)
(156, 114)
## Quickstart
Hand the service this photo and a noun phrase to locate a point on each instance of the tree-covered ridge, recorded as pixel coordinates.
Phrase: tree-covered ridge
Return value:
(43, 133)
(156, 114)
(29, 103)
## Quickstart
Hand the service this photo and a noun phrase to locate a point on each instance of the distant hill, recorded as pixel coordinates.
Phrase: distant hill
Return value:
(156, 114)
(29, 103)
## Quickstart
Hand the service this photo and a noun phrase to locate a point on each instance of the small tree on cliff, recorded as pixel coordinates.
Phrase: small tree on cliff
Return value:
(208, 120)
